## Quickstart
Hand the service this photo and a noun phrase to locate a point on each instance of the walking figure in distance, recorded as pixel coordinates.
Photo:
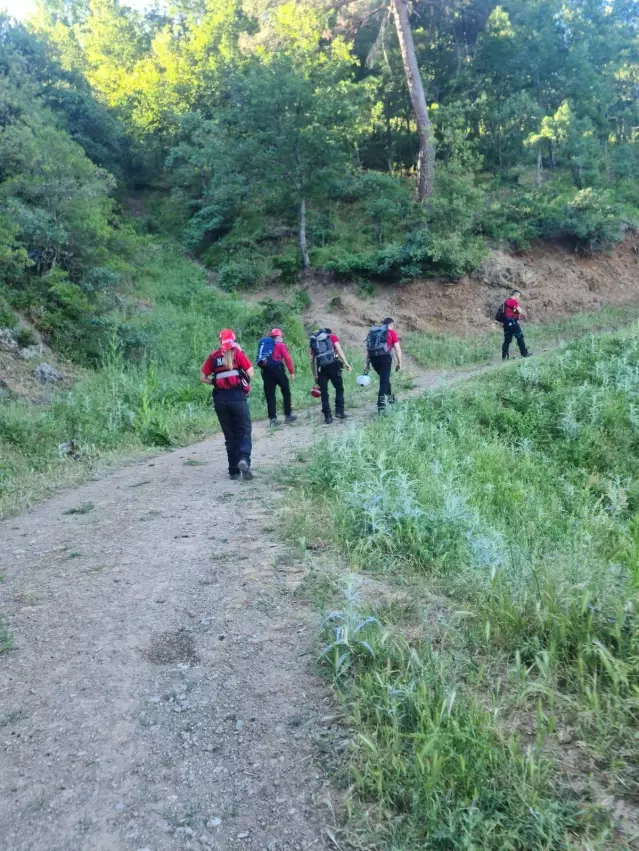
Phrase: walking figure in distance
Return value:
(229, 372)
(272, 355)
(327, 362)
(512, 314)
(381, 344)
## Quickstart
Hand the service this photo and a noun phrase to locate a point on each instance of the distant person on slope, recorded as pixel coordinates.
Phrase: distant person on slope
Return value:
(381, 344)
(327, 361)
(229, 372)
(512, 314)
(272, 355)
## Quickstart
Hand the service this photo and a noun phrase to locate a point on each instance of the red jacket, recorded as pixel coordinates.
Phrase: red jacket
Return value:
(281, 353)
(214, 365)
(512, 309)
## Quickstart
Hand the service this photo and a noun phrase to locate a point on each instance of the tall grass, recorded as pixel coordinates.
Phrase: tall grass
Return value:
(146, 392)
(517, 496)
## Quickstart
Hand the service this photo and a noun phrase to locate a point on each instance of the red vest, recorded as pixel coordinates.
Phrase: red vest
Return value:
(224, 378)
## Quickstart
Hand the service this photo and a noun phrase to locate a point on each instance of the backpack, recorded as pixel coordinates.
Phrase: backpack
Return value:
(376, 340)
(500, 316)
(265, 349)
(322, 347)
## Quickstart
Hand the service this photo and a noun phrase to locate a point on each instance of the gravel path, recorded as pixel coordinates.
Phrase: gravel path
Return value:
(161, 693)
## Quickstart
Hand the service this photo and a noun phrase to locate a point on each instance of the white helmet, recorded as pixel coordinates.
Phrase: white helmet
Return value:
(363, 380)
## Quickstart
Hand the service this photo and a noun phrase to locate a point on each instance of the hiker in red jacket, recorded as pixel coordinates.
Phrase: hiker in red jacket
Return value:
(512, 314)
(229, 372)
(273, 358)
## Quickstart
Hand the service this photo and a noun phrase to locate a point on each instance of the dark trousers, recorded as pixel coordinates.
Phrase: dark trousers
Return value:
(383, 365)
(274, 376)
(332, 373)
(513, 329)
(231, 407)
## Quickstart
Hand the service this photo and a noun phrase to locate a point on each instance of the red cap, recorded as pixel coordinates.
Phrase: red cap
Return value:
(227, 338)
(277, 332)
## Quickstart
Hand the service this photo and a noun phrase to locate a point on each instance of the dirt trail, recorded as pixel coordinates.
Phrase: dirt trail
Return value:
(161, 693)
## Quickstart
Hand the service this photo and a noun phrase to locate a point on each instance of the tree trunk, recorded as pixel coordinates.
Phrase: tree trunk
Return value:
(306, 261)
(538, 177)
(426, 159)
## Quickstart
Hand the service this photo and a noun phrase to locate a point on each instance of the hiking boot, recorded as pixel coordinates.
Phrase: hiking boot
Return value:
(234, 477)
(245, 470)
(527, 355)
(328, 419)
(290, 419)
(342, 416)
(274, 422)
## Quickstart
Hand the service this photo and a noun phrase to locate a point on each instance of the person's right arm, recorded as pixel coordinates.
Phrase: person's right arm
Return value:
(206, 371)
(313, 366)
(398, 354)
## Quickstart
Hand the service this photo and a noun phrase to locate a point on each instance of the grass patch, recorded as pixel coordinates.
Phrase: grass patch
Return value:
(435, 351)
(516, 496)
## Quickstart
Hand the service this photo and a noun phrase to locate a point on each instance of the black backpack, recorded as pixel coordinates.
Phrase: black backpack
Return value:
(322, 347)
(500, 316)
(376, 340)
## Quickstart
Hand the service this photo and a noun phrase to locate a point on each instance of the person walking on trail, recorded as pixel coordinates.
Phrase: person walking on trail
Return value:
(512, 313)
(382, 344)
(229, 372)
(327, 361)
(272, 358)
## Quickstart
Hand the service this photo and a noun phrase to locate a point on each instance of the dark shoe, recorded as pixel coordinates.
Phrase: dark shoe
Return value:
(274, 422)
(245, 470)
(290, 419)
(328, 419)
(342, 416)
(505, 357)
(527, 355)
(234, 477)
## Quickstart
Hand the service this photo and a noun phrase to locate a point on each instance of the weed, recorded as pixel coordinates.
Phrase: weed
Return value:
(85, 508)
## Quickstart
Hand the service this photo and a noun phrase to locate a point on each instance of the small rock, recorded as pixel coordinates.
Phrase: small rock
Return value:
(119, 806)
(239, 724)
(47, 374)
(243, 835)
(7, 340)
(214, 822)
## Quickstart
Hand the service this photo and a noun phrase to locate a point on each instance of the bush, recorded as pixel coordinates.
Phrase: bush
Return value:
(8, 319)
(26, 337)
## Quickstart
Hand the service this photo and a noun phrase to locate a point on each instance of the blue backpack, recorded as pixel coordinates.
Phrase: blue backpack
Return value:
(265, 349)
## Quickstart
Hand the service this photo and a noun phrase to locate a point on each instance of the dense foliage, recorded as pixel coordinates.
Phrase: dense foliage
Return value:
(247, 109)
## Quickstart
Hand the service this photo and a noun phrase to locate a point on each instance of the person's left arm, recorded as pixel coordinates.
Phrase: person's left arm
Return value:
(342, 357)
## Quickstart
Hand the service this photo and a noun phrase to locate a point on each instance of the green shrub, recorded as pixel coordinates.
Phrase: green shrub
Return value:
(8, 319)
(26, 337)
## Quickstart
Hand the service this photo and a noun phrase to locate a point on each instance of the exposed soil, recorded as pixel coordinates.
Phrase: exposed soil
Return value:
(162, 693)
(554, 283)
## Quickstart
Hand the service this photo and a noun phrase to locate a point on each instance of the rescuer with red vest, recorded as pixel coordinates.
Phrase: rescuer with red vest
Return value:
(229, 372)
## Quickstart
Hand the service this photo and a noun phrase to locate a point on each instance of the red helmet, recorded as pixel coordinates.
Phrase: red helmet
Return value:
(227, 338)
(316, 392)
(276, 332)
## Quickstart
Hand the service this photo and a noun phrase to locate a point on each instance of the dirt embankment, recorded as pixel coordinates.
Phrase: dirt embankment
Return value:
(553, 281)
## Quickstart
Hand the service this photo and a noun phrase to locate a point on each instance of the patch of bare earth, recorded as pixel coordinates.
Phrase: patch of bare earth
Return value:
(555, 283)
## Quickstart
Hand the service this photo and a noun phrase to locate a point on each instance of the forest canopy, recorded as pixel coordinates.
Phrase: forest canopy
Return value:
(285, 135)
